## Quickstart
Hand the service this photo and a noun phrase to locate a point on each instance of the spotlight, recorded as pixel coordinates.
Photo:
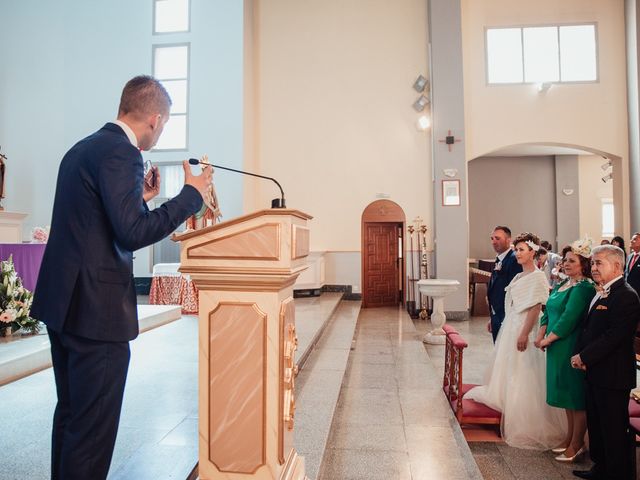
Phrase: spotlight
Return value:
(420, 103)
(607, 177)
(420, 84)
(423, 122)
(607, 165)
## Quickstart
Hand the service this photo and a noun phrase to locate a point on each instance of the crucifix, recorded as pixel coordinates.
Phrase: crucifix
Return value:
(449, 140)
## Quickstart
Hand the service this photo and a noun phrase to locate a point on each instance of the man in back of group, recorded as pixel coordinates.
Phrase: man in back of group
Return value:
(604, 349)
(632, 268)
(505, 269)
(85, 292)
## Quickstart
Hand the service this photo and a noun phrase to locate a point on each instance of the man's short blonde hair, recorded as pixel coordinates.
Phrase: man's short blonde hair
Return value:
(144, 95)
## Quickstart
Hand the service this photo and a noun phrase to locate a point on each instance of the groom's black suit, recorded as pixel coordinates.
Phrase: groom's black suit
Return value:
(605, 346)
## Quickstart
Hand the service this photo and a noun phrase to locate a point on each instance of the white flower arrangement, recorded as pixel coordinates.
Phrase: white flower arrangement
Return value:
(532, 245)
(582, 247)
(15, 301)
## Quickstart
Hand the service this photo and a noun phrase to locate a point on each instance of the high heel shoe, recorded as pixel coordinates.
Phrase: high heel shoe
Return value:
(565, 459)
(559, 449)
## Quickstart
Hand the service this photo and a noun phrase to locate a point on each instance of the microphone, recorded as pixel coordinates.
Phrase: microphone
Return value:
(275, 203)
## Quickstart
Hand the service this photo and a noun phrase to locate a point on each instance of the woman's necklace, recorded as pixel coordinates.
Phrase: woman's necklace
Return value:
(571, 282)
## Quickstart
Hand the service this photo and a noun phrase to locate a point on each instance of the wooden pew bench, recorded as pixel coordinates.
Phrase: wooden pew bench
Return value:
(466, 411)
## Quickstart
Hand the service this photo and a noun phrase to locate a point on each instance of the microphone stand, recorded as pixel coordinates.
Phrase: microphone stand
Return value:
(275, 203)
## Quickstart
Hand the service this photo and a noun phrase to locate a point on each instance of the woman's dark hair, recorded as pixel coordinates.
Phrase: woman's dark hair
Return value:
(585, 262)
(619, 242)
(527, 237)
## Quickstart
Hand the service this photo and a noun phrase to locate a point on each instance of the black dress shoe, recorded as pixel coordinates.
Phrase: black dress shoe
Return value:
(588, 474)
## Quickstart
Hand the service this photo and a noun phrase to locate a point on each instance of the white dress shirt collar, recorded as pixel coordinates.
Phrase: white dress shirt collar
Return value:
(127, 130)
(605, 288)
(503, 254)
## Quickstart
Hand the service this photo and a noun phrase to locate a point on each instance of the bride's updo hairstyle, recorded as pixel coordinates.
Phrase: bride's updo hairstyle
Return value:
(531, 240)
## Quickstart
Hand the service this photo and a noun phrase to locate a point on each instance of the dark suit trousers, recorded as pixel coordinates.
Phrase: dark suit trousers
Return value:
(90, 377)
(496, 323)
(610, 444)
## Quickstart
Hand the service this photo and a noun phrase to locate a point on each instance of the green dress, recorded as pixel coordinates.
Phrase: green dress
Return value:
(563, 316)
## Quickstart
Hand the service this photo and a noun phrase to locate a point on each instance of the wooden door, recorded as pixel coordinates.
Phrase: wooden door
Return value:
(381, 265)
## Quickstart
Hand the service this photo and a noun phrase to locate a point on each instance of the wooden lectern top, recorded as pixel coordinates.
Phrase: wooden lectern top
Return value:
(265, 249)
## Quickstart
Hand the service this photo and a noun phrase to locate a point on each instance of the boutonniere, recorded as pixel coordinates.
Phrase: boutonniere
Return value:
(602, 307)
(603, 292)
(498, 267)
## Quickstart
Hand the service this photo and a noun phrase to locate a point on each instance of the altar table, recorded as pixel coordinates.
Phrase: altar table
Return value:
(27, 258)
(170, 287)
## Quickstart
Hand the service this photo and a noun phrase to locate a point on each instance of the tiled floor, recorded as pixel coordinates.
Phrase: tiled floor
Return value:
(158, 433)
(392, 421)
(498, 461)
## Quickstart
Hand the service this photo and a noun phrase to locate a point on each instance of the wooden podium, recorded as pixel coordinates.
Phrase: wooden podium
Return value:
(244, 270)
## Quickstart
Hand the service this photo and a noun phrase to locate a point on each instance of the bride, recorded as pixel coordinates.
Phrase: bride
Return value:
(516, 379)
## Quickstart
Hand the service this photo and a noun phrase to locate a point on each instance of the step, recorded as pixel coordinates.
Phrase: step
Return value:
(318, 386)
(23, 356)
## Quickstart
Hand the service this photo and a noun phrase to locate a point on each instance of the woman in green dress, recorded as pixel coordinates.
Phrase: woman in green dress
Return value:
(560, 325)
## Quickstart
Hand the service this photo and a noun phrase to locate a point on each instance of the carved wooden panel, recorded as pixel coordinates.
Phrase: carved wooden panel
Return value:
(237, 387)
(260, 243)
(380, 282)
(299, 242)
(287, 372)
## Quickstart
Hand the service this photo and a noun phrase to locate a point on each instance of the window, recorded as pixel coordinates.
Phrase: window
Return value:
(170, 16)
(171, 67)
(608, 220)
(542, 54)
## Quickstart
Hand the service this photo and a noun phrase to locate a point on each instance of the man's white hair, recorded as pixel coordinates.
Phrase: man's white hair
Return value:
(614, 254)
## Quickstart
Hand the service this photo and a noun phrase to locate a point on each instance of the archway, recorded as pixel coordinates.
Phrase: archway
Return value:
(559, 191)
(383, 250)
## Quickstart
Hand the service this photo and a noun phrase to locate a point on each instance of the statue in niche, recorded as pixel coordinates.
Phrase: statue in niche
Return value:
(2, 167)
(210, 213)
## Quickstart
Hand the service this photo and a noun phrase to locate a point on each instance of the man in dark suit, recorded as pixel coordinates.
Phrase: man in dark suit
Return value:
(505, 269)
(632, 269)
(85, 292)
(605, 351)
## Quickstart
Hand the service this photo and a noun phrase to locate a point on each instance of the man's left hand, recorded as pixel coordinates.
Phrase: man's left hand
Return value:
(576, 362)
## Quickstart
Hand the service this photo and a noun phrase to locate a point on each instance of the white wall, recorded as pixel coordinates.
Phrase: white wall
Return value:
(518, 192)
(335, 123)
(592, 114)
(62, 73)
(592, 191)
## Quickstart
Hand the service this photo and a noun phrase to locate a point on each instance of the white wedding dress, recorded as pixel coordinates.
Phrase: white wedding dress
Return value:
(515, 383)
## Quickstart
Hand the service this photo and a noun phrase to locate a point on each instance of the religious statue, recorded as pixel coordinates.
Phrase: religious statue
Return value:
(2, 167)
(210, 213)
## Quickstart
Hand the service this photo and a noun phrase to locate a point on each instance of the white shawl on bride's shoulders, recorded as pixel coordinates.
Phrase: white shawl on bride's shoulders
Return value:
(528, 290)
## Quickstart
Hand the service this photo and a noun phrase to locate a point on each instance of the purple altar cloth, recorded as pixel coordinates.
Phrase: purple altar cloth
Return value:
(27, 258)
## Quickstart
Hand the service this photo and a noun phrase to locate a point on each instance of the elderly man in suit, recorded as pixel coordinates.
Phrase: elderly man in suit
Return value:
(506, 267)
(605, 351)
(632, 269)
(85, 292)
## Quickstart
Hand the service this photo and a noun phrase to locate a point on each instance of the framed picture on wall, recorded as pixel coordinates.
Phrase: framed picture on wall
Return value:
(450, 193)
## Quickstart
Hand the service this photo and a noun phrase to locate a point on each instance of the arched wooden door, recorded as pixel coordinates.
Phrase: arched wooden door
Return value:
(382, 254)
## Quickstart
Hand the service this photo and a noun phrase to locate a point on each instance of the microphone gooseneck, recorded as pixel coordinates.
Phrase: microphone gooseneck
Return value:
(275, 203)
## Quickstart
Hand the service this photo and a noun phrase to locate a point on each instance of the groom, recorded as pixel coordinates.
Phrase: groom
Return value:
(605, 351)
(505, 269)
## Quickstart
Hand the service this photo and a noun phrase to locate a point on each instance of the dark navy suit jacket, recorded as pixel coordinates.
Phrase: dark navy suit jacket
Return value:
(498, 282)
(605, 343)
(633, 275)
(85, 286)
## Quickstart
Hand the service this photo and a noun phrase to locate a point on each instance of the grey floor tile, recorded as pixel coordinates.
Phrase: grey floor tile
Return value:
(365, 465)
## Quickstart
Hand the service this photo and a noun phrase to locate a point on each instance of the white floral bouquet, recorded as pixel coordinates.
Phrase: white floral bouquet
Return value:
(40, 234)
(15, 301)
